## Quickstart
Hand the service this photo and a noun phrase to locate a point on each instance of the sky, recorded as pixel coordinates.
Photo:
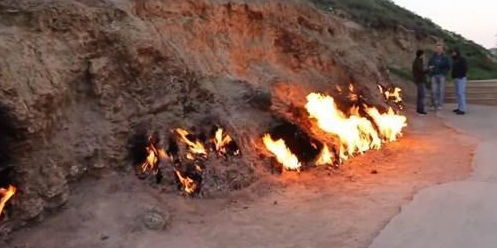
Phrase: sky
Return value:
(474, 19)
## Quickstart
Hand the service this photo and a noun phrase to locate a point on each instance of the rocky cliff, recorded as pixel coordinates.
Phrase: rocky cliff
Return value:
(79, 78)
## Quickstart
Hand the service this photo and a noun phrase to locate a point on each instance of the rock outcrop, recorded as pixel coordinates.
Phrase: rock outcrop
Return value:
(78, 78)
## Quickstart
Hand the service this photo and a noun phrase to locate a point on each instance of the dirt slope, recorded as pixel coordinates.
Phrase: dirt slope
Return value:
(79, 78)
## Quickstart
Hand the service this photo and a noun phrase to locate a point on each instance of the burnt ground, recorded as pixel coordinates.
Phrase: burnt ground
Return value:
(343, 207)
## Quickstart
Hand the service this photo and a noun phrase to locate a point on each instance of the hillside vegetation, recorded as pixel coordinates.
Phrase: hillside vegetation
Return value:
(386, 15)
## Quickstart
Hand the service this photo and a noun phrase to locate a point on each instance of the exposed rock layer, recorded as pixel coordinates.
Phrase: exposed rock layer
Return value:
(78, 78)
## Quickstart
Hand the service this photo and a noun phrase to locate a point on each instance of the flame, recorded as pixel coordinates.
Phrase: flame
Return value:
(5, 195)
(221, 142)
(351, 87)
(395, 94)
(356, 133)
(352, 95)
(380, 88)
(390, 124)
(282, 153)
(195, 146)
(151, 163)
(325, 157)
(189, 185)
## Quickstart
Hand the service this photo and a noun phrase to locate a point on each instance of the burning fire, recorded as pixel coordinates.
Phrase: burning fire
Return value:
(151, 164)
(191, 160)
(282, 153)
(390, 124)
(325, 157)
(189, 185)
(195, 147)
(356, 133)
(5, 195)
(352, 95)
(223, 142)
(360, 129)
(394, 94)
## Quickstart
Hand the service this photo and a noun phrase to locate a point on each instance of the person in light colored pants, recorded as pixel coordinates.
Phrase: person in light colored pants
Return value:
(459, 74)
(439, 66)
(438, 90)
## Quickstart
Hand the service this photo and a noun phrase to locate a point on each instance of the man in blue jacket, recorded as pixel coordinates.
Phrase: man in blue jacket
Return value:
(438, 66)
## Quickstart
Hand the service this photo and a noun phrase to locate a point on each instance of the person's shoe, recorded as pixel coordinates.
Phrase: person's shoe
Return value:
(460, 113)
(422, 113)
(455, 110)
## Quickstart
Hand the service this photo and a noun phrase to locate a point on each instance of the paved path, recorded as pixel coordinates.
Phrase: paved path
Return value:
(459, 214)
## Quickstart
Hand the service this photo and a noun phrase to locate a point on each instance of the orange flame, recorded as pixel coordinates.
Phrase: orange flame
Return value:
(356, 133)
(5, 195)
(282, 153)
(189, 185)
(352, 95)
(395, 94)
(380, 88)
(325, 157)
(221, 142)
(150, 165)
(389, 124)
(195, 147)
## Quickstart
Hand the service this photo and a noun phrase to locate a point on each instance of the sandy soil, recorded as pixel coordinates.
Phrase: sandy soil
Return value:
(321, 208)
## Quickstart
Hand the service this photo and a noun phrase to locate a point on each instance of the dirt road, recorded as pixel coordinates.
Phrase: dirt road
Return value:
(458, 214)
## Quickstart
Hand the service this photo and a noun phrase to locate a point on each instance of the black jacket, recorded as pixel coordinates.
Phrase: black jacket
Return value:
(459, 67)
(418, 71)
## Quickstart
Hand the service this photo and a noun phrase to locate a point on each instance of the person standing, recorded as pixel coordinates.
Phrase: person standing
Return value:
(439, 66)
(419, 76)
(459, 71)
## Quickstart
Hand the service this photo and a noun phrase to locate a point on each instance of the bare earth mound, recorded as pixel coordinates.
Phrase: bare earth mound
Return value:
(326, 208)
(94, 92)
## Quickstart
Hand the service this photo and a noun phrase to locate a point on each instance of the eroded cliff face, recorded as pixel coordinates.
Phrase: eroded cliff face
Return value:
(78, 78)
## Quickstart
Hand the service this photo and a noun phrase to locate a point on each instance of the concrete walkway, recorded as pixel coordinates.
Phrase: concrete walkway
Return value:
(459, 214)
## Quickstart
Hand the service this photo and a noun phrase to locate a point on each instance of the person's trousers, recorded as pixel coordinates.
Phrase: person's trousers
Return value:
(438, 90)
(460, 84)
(420, 103)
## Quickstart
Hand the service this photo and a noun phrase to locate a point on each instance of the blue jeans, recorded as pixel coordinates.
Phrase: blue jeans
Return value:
(420, 103)
(438, 90)
(461, 93)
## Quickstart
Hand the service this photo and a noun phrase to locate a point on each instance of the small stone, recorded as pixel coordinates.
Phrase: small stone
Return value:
(275, 203)
(99, 165)
(104, 237)
(155, 220)
(374, 172)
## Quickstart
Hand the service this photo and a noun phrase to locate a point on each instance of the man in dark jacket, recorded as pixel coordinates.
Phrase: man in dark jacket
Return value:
(459, 71)
(419, 76)
(439, 66)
